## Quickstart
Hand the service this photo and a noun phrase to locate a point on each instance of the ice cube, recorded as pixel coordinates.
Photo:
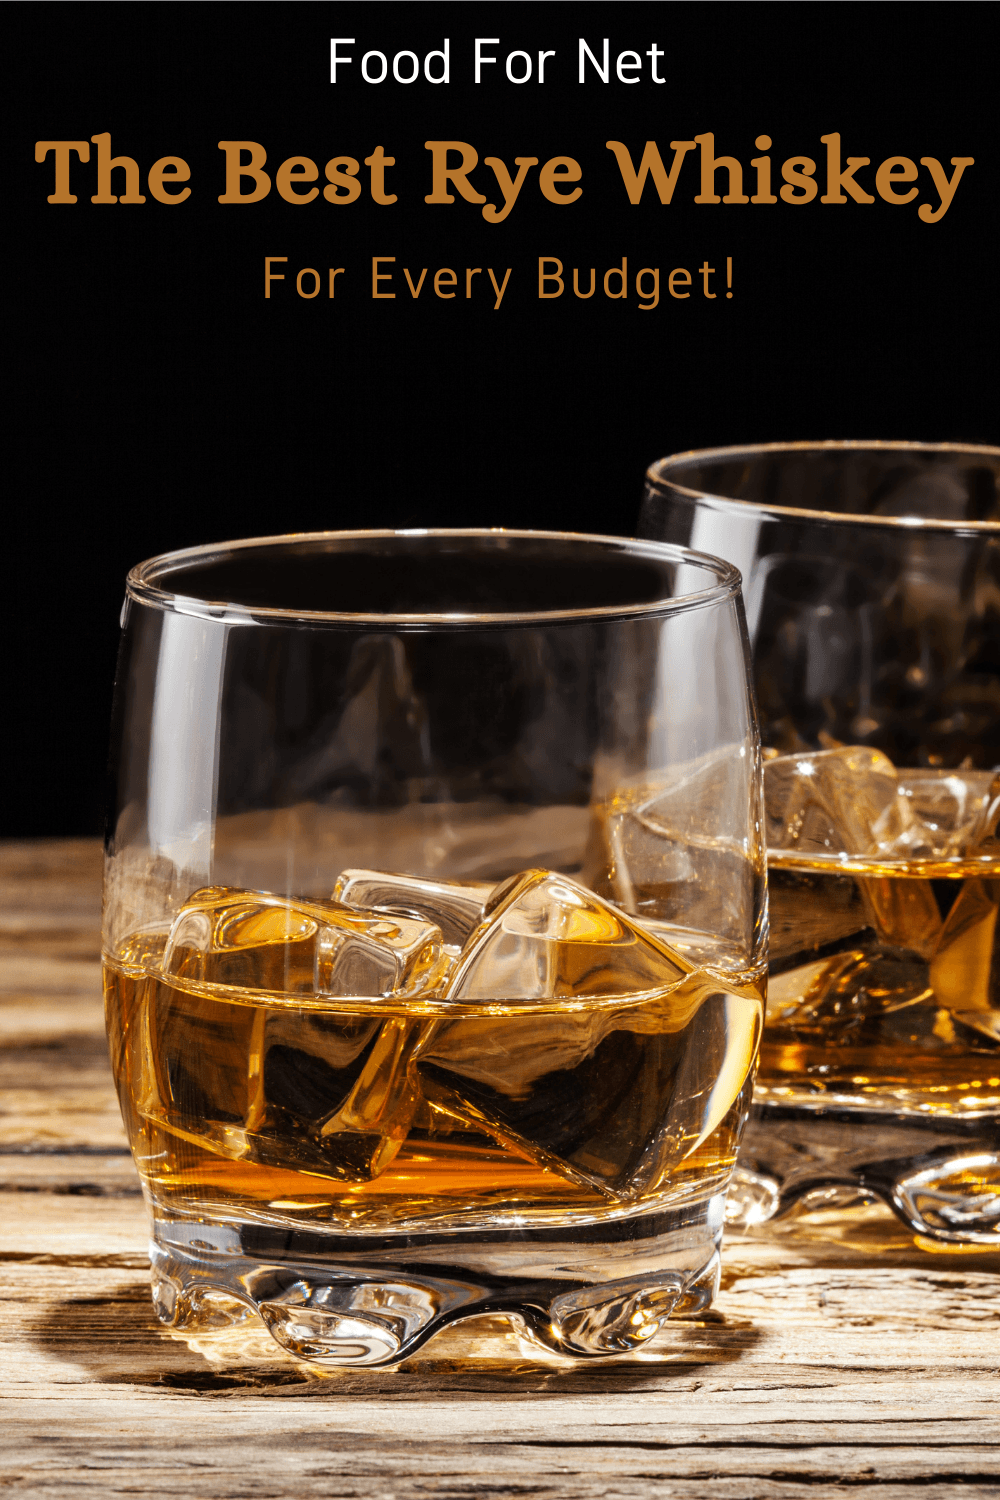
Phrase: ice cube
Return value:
(853, 801)
(608, 1099)
(372, 1123)
(549, 1116)
(278, 1085)
(455, 907)
(337, 1091)
(311, 1063)
(258, 1083)
(951, 813)
(632, 857)
(543, 936)
(511, 1053)
(831, 801)
(962, 972)
(649, 851)
(258, 941)
(903, 913)
(713, 1071)
(578, 1091)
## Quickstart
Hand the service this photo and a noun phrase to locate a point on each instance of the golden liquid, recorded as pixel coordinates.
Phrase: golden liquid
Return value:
(884, 982)
(373, 1113)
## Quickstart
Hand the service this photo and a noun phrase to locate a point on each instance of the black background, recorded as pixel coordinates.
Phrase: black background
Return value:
(160, 401)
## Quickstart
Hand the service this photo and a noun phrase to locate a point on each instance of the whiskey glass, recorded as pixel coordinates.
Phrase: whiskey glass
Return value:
(872, 584)
(434, 933)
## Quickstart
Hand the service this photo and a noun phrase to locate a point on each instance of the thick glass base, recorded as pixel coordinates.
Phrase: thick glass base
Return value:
(938, 1173)
(583, 1291)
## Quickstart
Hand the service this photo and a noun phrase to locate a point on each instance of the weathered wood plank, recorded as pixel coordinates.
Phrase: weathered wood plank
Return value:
(55, 1083)
(842, 1355)
(91, 1173)
(321, 1465)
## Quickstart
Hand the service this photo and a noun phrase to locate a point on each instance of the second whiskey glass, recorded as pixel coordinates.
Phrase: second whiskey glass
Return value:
(872, 581)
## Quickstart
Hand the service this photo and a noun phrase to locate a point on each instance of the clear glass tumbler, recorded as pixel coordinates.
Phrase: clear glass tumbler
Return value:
(434, 932)
(872, 582)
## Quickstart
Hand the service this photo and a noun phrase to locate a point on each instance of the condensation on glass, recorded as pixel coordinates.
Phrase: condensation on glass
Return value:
(434, 932)
(872, 584)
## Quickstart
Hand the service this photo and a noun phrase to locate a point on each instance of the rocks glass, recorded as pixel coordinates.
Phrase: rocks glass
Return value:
(434, 924)
(872, 581)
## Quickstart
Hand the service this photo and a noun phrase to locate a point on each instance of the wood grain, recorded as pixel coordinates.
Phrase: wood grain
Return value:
(840, 1356)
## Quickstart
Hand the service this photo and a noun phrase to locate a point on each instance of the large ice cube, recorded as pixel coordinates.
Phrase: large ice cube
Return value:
(633, 857)
(268, 1082)
(455, 907)
(653, 853)
(259, 1083)
(336, 1093)
(543, 936)
(258, 941)
(581, 1092)
(714, 1068)
(552, 1115)
(265, 1081)
(830, 802)
(610, 1099)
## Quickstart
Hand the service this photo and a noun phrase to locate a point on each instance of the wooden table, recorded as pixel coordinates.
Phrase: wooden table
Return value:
(842, 1355)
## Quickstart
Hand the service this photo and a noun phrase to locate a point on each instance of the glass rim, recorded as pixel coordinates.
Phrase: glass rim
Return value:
(143, 583)
(658, 477)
